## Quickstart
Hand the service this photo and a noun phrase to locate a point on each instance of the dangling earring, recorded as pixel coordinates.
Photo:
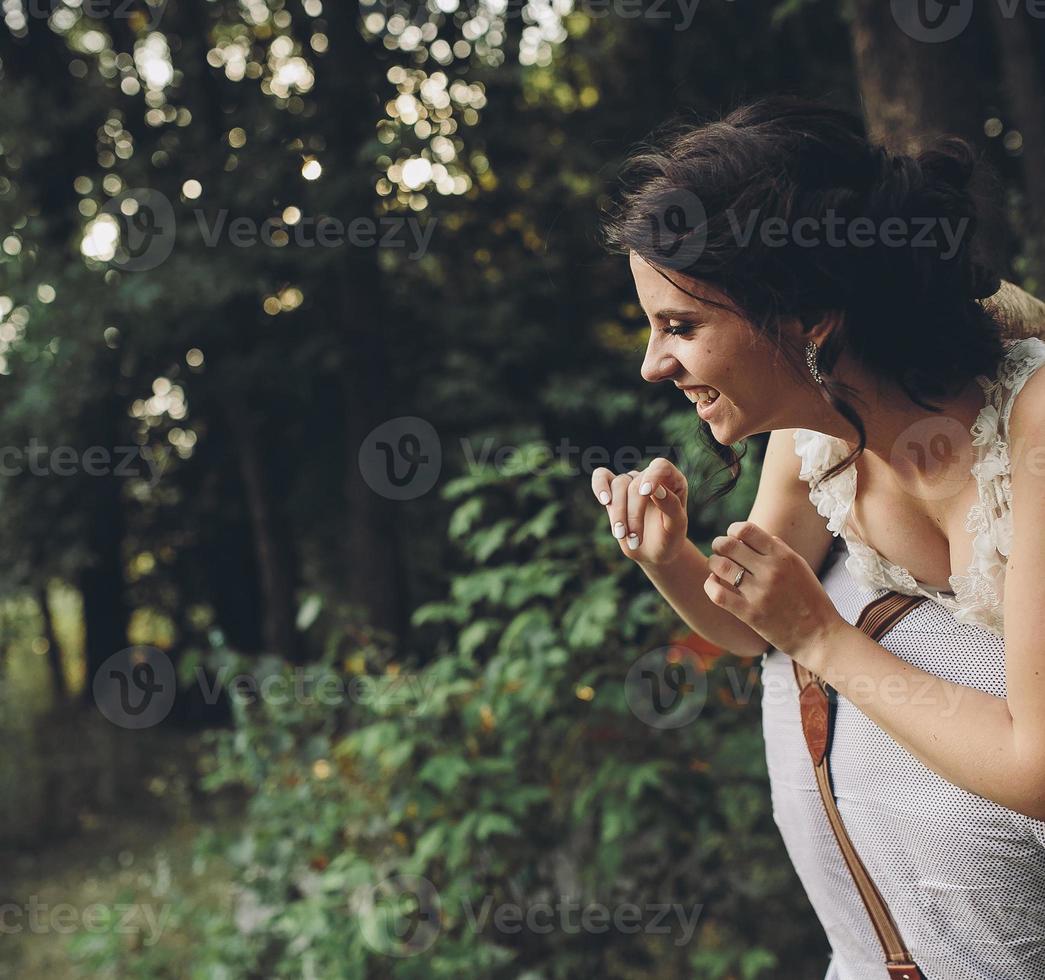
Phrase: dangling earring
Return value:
(811, 354)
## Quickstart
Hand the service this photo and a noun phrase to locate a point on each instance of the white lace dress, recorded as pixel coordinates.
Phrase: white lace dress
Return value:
(964, 877)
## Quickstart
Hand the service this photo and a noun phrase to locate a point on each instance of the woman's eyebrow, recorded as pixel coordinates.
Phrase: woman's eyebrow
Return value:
(674, 314)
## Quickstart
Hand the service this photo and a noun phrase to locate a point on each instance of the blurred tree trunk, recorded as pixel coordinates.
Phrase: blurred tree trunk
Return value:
(375, 577)
(6, 631)
(374, 572)
(1022, 78)
(232, 583)
(913, 92)
(223, 566)
(272, 544)
(54, 650)
(106, 614)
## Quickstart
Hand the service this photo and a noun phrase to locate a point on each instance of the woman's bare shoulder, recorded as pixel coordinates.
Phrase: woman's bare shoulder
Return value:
(782, 505)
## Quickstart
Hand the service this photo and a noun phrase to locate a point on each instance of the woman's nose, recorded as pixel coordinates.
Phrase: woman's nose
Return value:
(658, 364)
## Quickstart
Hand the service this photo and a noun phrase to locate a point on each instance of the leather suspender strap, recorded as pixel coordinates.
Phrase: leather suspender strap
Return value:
(817, 707)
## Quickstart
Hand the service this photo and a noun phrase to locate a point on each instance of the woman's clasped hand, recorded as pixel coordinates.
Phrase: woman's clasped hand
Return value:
(779, 595)
(646, 510)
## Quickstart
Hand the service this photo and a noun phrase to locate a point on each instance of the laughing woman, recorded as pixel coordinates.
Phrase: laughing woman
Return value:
(804, 282)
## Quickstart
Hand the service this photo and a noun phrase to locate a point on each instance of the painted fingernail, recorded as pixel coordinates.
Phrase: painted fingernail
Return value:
(645, 488)
(604, 497)
(661, 493)
(619, 529)
(633, 541)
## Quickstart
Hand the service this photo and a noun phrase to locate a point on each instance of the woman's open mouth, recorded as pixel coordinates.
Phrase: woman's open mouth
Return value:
(703, 397)
(706, 405)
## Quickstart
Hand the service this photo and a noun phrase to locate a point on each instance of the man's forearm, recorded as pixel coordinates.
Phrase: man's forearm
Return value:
(1023, 314)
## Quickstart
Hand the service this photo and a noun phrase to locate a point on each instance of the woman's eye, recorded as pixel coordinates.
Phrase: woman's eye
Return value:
(678, 329)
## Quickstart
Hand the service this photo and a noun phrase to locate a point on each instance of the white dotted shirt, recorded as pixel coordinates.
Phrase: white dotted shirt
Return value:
(963, 877)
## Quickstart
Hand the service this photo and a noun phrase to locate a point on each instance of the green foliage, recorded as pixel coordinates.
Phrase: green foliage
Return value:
(507, 772)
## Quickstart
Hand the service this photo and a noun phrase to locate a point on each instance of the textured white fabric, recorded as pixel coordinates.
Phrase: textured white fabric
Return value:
(963, 877)
(975, 597)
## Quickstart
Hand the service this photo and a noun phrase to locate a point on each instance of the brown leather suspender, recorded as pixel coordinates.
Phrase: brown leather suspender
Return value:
(876, 619)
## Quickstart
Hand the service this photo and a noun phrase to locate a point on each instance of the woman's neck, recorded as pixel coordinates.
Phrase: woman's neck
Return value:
(913, 442)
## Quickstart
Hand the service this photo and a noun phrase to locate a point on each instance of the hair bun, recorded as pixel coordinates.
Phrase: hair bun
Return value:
(983, 281)
(937, 184)
(945, 170)
(895, 179)
(949, 166)
(951, 160)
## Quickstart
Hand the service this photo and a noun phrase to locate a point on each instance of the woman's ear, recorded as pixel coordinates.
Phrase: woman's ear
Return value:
(818, 325)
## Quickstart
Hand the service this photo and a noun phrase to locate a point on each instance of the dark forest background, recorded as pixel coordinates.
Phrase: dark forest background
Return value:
(193, 476)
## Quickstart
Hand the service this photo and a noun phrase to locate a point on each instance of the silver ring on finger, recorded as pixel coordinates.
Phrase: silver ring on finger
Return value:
(740, 575)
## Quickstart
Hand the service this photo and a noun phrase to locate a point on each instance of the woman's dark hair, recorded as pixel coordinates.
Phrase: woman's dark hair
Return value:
(908, 312)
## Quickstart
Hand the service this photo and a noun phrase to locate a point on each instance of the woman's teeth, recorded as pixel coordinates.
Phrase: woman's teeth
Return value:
(706, 397)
